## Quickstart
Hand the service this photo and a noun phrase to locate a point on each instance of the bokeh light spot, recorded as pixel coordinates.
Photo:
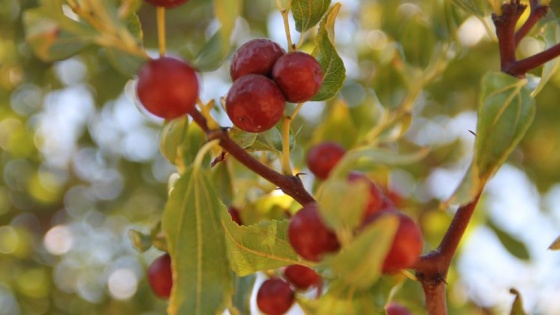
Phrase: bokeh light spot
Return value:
(58, 240)
(122, 283)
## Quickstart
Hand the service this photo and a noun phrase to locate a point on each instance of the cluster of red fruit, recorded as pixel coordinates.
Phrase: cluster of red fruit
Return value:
(312, 239)
(276, 296)
(265, 77)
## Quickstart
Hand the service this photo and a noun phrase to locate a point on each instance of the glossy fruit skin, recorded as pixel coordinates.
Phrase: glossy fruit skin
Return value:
(254, 103)
(168, 4)
(323, 157)
(275, 297)
(376, 197)
(298, 75)
(397, 309)
(301, 277)
(256, 56)
(234, 213)
(407, 243)
(167, 87)
(309, 236)
(160, 276)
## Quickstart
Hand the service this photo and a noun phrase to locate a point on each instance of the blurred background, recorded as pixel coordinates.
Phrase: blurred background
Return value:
(80, 163)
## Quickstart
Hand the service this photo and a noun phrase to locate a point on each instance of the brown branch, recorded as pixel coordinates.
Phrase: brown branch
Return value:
(289, 184)
(521, 67)
(432, 268)
(505, 30)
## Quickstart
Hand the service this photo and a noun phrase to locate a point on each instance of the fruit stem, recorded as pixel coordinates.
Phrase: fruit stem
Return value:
(285, 16)
(205, 109)
(286, 122)
(160, 11)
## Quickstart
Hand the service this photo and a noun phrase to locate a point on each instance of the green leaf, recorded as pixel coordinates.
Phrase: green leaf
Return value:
(307, 13)
(342, 299)
(517, 307)
(479, 8)
(505, 113)
(223, 183)
(202, 280)
(469, 187)
(125, 63)
(52, 35)
(242, 138)
(180, 142)
(140, 241)
(271, 140)
(551, 36)
(334, 72)
(342, 203)
(366, 157)
(259, 246)
(242, 293)
(359, 264)
(512, 245)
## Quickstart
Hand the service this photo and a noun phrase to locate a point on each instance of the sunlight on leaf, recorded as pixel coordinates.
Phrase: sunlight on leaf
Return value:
(307, 13)
(342, 203)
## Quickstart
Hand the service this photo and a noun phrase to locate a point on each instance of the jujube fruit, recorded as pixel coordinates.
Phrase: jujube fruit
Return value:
(168, 4)
(160, 276)
(167, 87)
(407, 243)
(275, 297)
(298, 75)
(375, 199)
(301, 277)
(235, 217)
(323, 157)
(254, 103)
(397, 309)
(309, 236)
(256, 56)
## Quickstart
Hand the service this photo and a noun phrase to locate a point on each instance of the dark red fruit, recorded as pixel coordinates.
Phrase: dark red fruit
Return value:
(234, 212)
(166, 3)
(298, 75)
(397, 309)
(301, 277)
(254, 103)
(309, 236)
(256, 56)
(275, 297)
(407, 243)
(375, 199)
(167, 87)
(160, 276)
(323, 157)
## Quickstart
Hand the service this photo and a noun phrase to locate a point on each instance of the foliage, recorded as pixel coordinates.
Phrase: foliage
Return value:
(81, 165)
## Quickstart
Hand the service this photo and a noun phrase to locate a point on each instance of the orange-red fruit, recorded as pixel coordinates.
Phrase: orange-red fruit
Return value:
(167, 87)
(376, 198)
(275, 297)
(323, 157)
(301, 277)
(254, 103)
(309, 236)
(234, 213)
(397, 309)
(160, 276)
(166, 3)
(256, 56)
(407, 243)
(298, 75)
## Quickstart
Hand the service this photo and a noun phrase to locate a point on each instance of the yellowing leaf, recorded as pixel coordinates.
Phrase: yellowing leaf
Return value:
(202, 281)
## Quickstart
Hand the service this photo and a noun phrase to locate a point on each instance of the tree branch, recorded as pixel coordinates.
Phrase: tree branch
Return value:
(537, 12)
(289, 184)
(432, 268)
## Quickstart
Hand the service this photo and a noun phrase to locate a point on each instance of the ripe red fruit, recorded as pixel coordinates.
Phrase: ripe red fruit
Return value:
(256, 56)
(309, 236)
(160, 276)
(407, 243)
(397, 309)
(301, 277)
(275, 297)
(254, 103)
(298, 75)
(234, 212)
(375, 199)
(166, 3)
(323, 157)
(167, 87)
